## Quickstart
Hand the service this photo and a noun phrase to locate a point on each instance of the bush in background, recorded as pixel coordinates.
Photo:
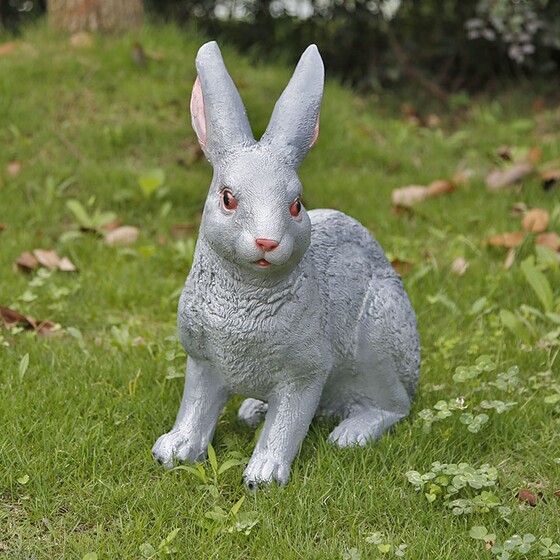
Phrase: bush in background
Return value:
(444, 46)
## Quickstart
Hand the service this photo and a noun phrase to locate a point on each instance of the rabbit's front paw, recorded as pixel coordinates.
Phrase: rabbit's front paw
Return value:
(264, 470)
(179, 445)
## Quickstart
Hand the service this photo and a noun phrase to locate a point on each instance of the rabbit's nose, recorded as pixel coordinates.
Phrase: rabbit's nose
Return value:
(266, 244)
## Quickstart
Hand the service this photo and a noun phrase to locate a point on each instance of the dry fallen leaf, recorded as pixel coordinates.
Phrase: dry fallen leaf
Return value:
(47, 258)
(27, 262)
(13, 168)
(536, 220)
(405, 197)
(2, 227)
(408, 196)
(440, 186)
(402, 267)
(550, 239)
(462, 178)
(550, 178)
(124, 235)
(7, 48)
(40, 257)
(110, 226)
(66, 265)
(534, 155)
(501, 178)
(81, 39)
(459, 266)
(11, 318)
(510, 239)
(527, 496)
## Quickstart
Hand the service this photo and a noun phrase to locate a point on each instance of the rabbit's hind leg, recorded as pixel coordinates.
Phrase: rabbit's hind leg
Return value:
(252, 412)
(363, 425)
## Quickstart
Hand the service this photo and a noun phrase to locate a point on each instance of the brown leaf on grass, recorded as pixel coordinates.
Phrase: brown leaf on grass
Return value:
(40, 257)
(510, 239)
(7, 48)
(110, 226)
(550, 239)
(534, 155)
(47, 258)
(527, 496)
(180, 230)
(13, 168)
(2, 227)
(500, 178)
(406, 197)
(462, 178)
(440, 186)
(124, 235)
(460, 266)
(402, 267)
(536, 220)
(519, 155)
(27, 262)
(557, 493)
(81, 40)
(66, 265)
(11, 318)
(550, 178)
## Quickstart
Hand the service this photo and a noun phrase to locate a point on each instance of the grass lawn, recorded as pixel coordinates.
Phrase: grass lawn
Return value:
(84, 131)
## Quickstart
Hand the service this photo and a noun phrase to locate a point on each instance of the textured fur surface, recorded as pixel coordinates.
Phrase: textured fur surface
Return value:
(318, 325)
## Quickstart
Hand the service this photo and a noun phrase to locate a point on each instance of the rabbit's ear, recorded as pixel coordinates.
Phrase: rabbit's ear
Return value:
(294, 124)
(218, 115)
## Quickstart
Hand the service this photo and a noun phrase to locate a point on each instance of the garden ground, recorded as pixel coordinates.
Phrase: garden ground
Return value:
(89, 137)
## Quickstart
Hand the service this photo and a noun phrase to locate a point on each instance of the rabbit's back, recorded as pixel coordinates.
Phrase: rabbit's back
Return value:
(348, 260)
(371, 321)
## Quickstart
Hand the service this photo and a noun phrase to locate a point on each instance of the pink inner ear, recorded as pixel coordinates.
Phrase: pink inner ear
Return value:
(316, 131)
(197, 112)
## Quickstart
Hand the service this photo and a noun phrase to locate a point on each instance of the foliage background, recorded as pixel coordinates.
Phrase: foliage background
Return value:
(369, 44)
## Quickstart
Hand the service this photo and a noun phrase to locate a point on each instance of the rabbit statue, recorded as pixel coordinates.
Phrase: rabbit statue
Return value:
(299, 311)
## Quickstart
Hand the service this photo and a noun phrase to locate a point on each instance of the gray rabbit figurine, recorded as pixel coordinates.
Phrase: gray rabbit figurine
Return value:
(300, 311)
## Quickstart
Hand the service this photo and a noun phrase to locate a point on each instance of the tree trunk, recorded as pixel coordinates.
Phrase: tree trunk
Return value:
(95, 15)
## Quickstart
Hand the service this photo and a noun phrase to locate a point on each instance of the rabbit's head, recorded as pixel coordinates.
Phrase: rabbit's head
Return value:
(253, 215)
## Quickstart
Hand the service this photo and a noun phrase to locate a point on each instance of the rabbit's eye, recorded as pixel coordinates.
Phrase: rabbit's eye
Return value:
(295, 208)
(229, 202)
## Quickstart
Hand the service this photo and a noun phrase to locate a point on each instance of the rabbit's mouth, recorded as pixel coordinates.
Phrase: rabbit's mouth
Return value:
(262, 263)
